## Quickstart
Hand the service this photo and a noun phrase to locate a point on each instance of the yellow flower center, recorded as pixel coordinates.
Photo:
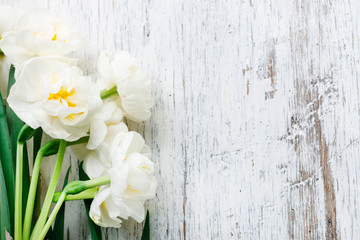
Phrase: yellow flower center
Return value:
(104, 205)
(54, 38)
(63, 95)
(131, 189)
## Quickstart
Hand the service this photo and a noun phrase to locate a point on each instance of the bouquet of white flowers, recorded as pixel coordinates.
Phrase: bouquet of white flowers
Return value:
(47, 92)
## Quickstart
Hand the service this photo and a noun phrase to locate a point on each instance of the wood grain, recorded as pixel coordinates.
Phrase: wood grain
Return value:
(255, 130)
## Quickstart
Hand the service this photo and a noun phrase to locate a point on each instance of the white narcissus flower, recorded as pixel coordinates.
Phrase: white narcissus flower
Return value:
(52, 94)
(8, 20)
(118, 141)
(124, 157)
(141, 184)
(108, 114)
(133, 84)
(97, 161)
(132, 182)
(9, 17)
(106, 211)
(39, 33)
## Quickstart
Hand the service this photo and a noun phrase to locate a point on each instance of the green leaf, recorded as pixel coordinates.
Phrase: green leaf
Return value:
(146, 230)
(7, 162)
(15, 125)
(36, 146)
(26, 181)
(58, 231)
(95, 230)
(4, 207)
(13, 128)
(37, 142)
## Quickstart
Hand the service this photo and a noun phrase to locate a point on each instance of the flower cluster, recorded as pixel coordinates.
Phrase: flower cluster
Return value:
(53, 93)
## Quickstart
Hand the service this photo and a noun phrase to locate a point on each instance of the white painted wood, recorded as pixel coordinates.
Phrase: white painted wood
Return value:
(255, 131)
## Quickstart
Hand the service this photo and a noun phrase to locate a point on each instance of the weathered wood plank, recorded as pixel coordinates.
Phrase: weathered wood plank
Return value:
(255, 131)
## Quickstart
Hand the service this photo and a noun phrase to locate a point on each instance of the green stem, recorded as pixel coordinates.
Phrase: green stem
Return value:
(18, 190)
(50, 192)
(36, 147)
(72, 188)
(52, 216)
(32, 195)
(86, 194)
(96, 182)
(48, 149)
(108, 93)
(76, 187)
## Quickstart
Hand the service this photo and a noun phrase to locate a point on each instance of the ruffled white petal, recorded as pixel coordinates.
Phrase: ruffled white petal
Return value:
(39, 33)
(49, 93)
(124, 157)
(100, 211)
(133, 84)
(106, 115)
(4, 74)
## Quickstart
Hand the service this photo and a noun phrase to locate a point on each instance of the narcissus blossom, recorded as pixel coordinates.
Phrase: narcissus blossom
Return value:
(106, 211)
(97, 161)
(117, 140)
(124, 157)
(39, 33)
(53, 94)
(108, 114)
(140, 182)
(133, 84)
(8, 20)
(132, 182)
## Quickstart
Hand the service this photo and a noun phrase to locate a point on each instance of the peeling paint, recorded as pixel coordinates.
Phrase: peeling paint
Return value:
(255, 128)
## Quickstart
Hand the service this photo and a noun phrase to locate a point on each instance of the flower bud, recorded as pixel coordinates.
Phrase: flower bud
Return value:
(25, 134)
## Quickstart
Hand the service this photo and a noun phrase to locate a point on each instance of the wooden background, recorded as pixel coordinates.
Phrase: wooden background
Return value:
(255, 131)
